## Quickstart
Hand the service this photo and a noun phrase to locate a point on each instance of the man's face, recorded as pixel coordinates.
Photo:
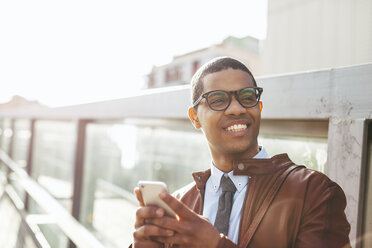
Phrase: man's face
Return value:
(232, 132)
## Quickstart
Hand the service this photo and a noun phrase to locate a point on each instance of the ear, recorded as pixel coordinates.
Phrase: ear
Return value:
(193, 115)
(261, 106)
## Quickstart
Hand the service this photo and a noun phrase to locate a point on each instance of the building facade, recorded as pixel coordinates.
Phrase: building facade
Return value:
(314, 34)
(181, 69)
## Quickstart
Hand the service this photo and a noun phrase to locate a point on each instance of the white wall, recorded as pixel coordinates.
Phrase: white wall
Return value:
(315, 34)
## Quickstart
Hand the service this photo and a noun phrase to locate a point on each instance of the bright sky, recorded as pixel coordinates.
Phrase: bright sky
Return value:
(77, 51)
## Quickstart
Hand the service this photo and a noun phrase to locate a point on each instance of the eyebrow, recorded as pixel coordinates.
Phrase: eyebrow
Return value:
(220, 92)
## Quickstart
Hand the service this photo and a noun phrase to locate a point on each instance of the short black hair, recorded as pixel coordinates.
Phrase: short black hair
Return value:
(212, 66)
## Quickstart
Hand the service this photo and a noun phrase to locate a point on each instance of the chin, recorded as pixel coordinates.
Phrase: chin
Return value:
(238, 151)
(244, 150)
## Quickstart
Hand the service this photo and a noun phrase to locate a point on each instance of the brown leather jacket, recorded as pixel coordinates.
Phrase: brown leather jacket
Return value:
(286, 206)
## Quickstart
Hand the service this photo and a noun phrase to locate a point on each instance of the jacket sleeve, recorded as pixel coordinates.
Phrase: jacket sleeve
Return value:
(324, 223)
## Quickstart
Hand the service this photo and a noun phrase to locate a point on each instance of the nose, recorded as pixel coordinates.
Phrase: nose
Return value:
(235, 108)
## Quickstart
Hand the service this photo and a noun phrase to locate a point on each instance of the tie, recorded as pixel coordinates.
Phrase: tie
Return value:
(224, 205)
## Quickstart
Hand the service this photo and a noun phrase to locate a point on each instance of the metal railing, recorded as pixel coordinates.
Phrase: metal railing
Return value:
(54, 212)
(336, 101)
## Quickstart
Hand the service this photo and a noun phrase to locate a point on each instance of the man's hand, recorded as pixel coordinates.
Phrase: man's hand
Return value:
(191, 229)
(145, 232)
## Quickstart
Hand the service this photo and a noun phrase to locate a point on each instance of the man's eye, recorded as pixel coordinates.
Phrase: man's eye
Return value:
(218, 100)
(248, 98)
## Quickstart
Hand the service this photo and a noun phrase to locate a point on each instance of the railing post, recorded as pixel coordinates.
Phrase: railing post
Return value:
(10, 147)
(366, 217)
(345, 165)
(1, 138)
(30, 157)
(11, 142)
(2, 132)
(78, 170)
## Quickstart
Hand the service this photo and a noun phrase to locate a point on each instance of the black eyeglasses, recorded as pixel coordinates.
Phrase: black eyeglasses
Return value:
(220, 100)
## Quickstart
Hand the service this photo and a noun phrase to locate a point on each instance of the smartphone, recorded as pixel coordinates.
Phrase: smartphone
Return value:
(150, 191)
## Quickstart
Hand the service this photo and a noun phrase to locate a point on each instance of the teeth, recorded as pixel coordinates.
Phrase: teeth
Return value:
(237, 127)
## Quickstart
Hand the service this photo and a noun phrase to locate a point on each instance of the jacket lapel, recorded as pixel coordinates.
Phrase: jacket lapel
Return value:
(255, 208)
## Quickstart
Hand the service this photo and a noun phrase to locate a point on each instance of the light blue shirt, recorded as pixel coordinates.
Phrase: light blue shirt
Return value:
(213, 192)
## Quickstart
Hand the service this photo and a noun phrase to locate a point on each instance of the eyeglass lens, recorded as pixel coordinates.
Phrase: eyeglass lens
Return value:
(219, 100)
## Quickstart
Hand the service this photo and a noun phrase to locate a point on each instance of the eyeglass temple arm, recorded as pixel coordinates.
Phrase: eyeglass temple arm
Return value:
(197, 101)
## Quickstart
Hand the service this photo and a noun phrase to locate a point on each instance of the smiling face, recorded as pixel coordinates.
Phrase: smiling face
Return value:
(231, 133)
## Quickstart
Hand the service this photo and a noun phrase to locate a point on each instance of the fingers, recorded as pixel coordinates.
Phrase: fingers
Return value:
(181, 209)
(138, 195)
(146, 212)
(144, 237)
(147, 231)
(197, 233)
(175, 239)
(147, 244)
(190, 230)
(144, 233)
(167, 223)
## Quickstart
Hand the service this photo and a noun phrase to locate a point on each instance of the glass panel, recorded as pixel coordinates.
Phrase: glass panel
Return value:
(25, 239)
(308, 151)
(34, 207)
(54, 235)
(2, 181)
(53, 158)
(7, 133)
(2, 166)
(9, 224)
(21, 141)
(1, 131)
(29, 242)
(119, 155)
(17, 187)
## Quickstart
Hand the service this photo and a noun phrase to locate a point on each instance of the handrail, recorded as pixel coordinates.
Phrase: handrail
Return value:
(339, 96)
(38, 238)
(76, 232)
(320, 94)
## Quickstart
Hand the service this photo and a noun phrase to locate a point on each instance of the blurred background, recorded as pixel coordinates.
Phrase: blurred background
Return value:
(94, 97)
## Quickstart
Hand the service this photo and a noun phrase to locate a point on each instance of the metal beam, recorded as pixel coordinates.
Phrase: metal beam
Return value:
(30, 156)
(322, 94)
(12, 137)
(79, 167)
(69, 225)
(78, 170)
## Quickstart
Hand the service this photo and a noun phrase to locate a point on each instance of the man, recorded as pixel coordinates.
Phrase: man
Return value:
(246, 198)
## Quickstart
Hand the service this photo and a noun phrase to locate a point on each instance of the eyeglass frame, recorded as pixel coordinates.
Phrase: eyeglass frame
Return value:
(229, 93)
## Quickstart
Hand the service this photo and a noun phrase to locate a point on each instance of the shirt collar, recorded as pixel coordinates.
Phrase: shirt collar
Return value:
(262, 153)
(239, 181)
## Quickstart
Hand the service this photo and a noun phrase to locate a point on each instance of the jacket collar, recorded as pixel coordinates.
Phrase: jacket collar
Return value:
(201, 178)
(248, 167)
(255, 167)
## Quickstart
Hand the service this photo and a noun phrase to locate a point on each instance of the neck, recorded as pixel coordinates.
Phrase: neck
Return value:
(224, 162)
